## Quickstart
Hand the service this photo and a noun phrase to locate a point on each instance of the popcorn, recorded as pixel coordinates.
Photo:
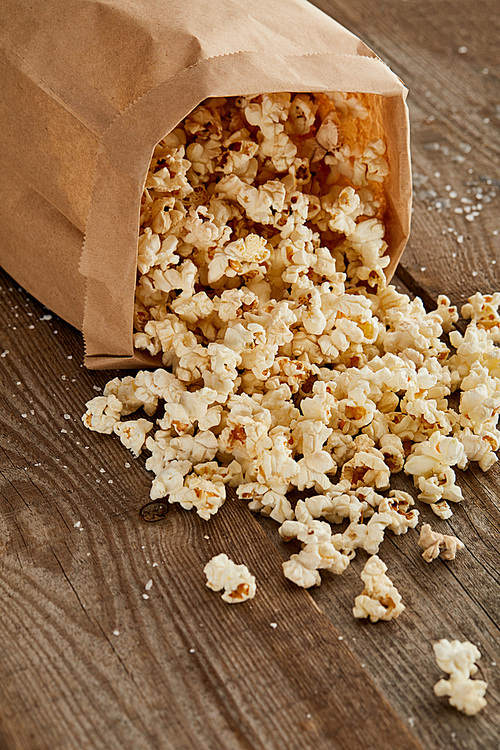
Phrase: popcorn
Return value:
(483, 311)
(170, 479)
(133, 433)
(430, 463)
(203, 494)
(236, 580)
(379, 600)
(435, 544)
(239, 258)
(317, 552)
(124, 390)
(447, 313)
(291, 363)
(103, 413)
(458, 659)
(367, 467)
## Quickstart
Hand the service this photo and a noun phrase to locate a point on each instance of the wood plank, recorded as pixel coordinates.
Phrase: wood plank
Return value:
(66, 681)
(455, 143)
(184, 670)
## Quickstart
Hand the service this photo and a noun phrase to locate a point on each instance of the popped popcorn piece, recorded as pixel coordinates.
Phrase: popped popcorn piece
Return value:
(203, 494)
(430, 462)
(459, 660)
(367, 467)
(236, 580)
(447, 312)
(103, 413)
(379, 600)
(169, 479)
(435, 544)
(317, 552)
(133, 433)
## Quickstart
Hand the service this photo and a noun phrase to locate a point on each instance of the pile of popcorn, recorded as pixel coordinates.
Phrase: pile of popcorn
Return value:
(291, 363)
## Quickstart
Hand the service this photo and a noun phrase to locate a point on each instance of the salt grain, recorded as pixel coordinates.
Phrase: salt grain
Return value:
(116, 632)
(46, 317)
(145, 596)
(77, 524)
(274, 625)
(462, 50)
(192, 650)
(149, 585)
(4, 353)
(67, 416)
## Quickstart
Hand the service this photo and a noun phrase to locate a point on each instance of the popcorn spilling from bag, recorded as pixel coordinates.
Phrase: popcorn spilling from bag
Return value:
(459, 660)
(291, 363)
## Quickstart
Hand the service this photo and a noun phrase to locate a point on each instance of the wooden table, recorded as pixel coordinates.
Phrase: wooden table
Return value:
(86, 661)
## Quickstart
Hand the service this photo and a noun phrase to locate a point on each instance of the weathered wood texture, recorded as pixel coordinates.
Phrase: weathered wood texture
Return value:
(87, 662)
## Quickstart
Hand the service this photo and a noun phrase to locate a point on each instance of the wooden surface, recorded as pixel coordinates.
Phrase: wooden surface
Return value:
(87, 662)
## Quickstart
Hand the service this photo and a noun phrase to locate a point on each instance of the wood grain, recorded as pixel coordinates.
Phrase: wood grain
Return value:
(76, 558)
(184, 670)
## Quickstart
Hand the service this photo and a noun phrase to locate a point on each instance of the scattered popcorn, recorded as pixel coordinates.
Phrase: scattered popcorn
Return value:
(236, 580)
(459, 660)
(288, 362)
(379, 600)
(435, 544)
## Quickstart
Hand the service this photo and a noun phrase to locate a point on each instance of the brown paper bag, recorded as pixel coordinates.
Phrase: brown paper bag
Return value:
(90, 87)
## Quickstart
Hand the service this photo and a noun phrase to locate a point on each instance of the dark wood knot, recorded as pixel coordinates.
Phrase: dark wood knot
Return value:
(152, 512)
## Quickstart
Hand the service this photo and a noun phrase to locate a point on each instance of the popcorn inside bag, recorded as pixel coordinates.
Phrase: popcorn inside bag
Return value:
(291, 364)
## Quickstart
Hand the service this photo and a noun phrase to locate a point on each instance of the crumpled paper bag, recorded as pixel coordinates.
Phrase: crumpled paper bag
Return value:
(90, 87)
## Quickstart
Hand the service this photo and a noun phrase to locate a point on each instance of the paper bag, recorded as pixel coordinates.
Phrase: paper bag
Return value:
(90, 87)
